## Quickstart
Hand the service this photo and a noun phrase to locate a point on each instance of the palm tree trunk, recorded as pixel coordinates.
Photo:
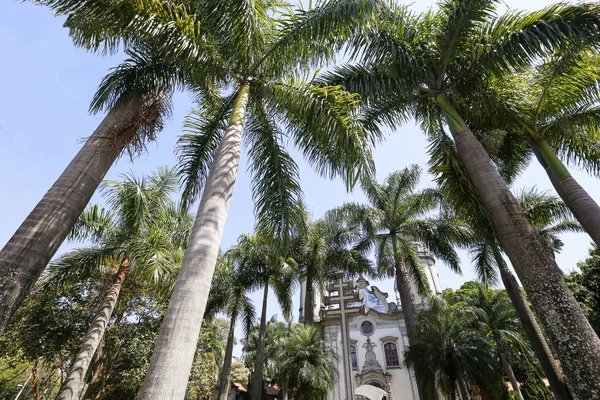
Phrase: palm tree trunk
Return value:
(93, 387)
(511, 375)
(581, 204)
(569, 330)
(73, 384)
(29, 250)
(257, 382)
(452, 390)
(226, 370)
(34, 392)
(173, 354)
(309, 307)
(404, 288)
(538, 342)
(408, 301)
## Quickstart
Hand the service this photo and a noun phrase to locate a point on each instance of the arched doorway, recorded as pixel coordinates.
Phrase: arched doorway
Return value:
(372, 390)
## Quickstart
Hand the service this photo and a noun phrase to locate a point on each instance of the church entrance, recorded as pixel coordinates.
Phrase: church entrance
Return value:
(371, 391)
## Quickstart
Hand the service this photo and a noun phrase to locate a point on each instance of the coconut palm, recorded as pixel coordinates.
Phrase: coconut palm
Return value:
(320, 248)
(420, 66)
(396, 219)
(547, 214)
(451, 356)
(170, 46)
(142, 231)
(229, 294)
(304, 364)
(258, 256)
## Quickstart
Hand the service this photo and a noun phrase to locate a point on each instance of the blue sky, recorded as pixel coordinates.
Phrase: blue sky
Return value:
(46, 85)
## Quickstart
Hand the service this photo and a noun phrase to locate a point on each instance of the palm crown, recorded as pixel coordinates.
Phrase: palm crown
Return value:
(142, 223)
(391, 226)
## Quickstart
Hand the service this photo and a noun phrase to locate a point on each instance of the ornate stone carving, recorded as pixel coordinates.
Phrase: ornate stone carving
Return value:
(371, 363)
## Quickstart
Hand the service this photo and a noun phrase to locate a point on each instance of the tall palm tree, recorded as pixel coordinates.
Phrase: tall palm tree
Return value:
(420, 66)
(229, 294)
(396, 219)
(137, 98)
(499, 322)
(248, 49)
(451, 356)
(133, 120)
(142, 231)
(304, 368)
(320, 248)
(260, 257)
(554, 105)
(257, 44)
(549, 217)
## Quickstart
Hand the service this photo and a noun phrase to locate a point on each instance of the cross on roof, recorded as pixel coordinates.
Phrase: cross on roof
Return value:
(343, 296)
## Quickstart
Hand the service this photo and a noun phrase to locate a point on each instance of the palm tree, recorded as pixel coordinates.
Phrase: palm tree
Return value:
(258, 256)
(451, 356)
(304, 368)
(229, 294)
(142, 232)
(554, 104)
(137, 98)
(257, 50)
(247, 49)
(130, 123)
(499, 322)
(320, 248)
(393, 223)
(421, 66)
(549, 217)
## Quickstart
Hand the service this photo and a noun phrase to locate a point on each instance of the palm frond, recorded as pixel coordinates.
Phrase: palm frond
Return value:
(312, 37)
(276, 182)
(322, 122)
(519, 38)
(196, 148)
(92, 224)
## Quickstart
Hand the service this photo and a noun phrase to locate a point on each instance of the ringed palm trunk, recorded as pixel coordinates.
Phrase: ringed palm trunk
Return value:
(508, 368)
(511, 375)
(259, 362)
(93, 388)
(575, 341)
(534, 333)
(173, 354)
(226, 370)
(35, 242)
(404, 288)
(581, 204)
(309, 307)
(72, 386)
(408, 301)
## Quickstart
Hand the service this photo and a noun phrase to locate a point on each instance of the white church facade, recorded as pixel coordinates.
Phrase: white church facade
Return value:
(368, 335)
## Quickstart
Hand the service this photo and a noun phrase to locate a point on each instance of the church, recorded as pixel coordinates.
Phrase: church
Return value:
(368, 334)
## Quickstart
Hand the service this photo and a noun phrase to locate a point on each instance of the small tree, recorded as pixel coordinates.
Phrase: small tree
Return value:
(452, 356)
(304, 364)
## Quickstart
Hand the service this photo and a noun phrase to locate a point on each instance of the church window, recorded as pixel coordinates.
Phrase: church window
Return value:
(366, 328)
(391, 355)
(353, 357)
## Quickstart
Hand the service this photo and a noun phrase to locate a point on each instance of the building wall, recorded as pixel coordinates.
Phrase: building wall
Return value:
(389, 327)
